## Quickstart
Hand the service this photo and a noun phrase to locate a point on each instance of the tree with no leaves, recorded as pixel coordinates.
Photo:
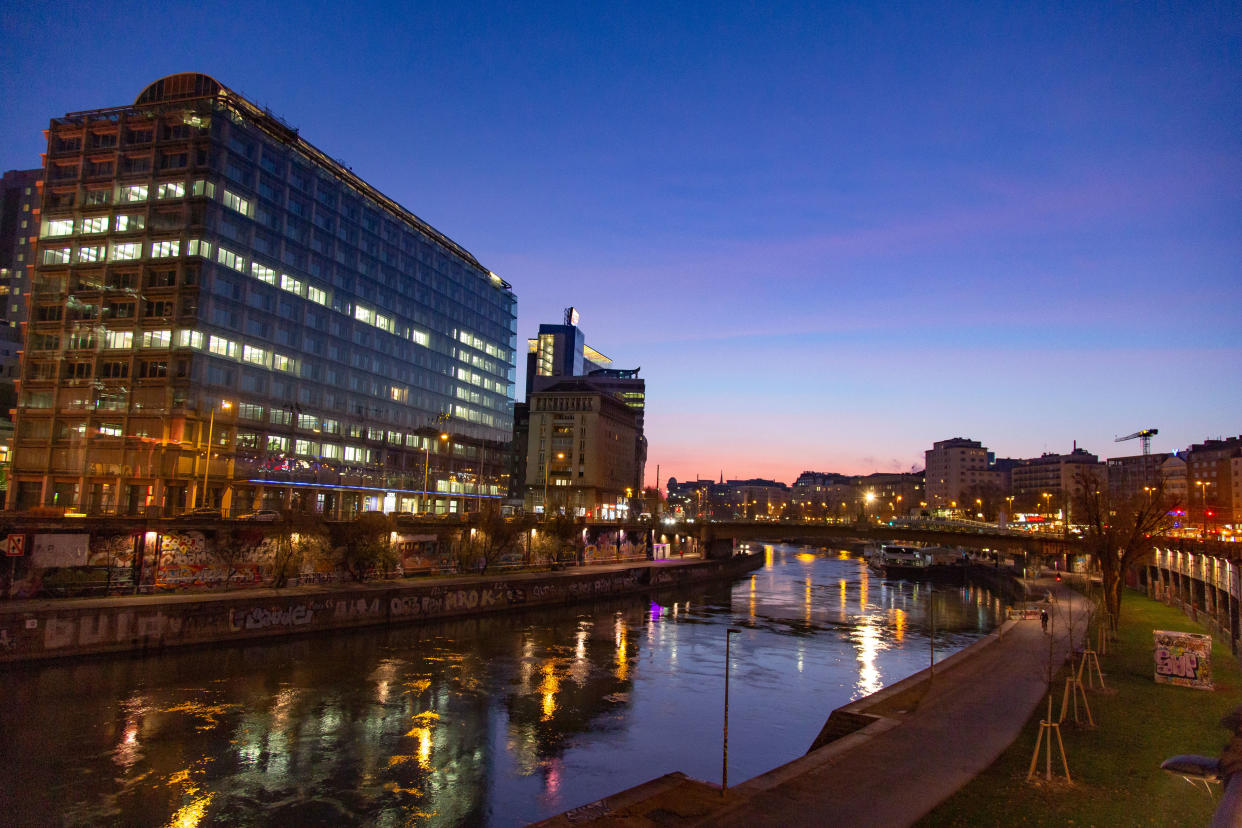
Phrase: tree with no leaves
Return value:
(368, 546)
(233, 546)
(1118, 533)
(491, 538)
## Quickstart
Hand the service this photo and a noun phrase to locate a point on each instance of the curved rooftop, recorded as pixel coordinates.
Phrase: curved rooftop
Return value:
(181, 86)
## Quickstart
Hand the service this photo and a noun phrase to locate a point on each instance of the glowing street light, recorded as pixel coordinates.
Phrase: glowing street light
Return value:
(427, 462)
(211, 424)
(547, 467)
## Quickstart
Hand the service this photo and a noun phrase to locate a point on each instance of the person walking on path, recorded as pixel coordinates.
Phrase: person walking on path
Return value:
(1043, 619)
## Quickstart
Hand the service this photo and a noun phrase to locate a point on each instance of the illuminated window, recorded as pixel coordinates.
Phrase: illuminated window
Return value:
(110, 430)
(254, 355)
(118, 339)
(304, 447)
(223, 347)
(249, 411)
(364, 314)
(355, 454)
(277, 443)
(230, 259)
(263, 274)
(129, 224)
(309, 422)
(206, 188)
(330, 452)
(171, 189)
(56, 256)
(156, 339)
(165, 249)
(133, 193)
(317, 296)
(94, 253)
(384, 323)
(290, 284)
(400, 394)
(280, 362)
(125, 251)
(236, 202)
(419, 336)
(95, 224)
(190, 339)
(58, 227)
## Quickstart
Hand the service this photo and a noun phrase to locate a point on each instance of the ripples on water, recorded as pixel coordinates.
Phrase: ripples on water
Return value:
(491, 721)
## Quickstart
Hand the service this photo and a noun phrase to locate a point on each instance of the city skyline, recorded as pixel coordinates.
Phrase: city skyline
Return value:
(829, 237)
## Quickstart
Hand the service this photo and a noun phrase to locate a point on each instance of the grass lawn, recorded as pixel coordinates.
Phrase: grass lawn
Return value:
(1116, 767)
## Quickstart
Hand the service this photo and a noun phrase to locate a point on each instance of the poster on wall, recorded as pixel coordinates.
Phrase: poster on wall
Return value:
(60, 550)
(1184, 659)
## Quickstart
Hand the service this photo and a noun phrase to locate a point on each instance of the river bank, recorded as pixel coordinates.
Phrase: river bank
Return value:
(34, 630)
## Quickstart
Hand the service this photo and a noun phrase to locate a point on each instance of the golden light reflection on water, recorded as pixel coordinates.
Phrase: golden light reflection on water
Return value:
(867, 645)
(192, 814)
(549, 687)
(806, 599)
(208, 714)
(899, 624)
(621, 638)
(751, 608)
(806, 557)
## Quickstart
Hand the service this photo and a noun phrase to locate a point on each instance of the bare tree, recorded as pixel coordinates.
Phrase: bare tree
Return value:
(491, 538)
(368, 546)
(234, 545)
(300, 534)
(1118, 534)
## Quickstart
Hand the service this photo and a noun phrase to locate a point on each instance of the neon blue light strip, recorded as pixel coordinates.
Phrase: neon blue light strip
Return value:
(372, 489)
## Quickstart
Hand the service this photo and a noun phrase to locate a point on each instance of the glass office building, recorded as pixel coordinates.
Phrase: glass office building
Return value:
(221, 315)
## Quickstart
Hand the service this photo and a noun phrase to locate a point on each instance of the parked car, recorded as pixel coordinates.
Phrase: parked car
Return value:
(401, 515)
(201, 513)
(264, 515)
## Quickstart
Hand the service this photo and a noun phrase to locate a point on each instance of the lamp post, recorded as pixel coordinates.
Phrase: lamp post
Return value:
(1046, 498)
(211, 424)
(1203, 484)
(547, 467)
(724, 768)
(868, 499)
(427, 465)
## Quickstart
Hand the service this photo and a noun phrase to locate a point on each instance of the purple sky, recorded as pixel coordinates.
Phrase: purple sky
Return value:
(830, 236)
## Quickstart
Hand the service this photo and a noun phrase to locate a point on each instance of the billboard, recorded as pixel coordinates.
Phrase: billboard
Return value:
(1184, 659)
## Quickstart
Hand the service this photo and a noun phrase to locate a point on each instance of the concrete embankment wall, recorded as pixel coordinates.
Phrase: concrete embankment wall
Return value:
(54, 629)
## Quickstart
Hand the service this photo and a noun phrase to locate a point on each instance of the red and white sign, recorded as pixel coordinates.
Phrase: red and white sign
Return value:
(15, 546)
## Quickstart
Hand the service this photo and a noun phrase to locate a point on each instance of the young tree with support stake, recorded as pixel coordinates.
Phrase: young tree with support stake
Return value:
(1118, 533)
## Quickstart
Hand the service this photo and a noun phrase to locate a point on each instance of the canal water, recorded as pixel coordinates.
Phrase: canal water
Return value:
(492, 721)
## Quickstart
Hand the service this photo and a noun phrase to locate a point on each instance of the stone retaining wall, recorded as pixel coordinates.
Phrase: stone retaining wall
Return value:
(77, 627)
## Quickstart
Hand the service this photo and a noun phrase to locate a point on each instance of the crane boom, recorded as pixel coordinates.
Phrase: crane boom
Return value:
(1144, 436)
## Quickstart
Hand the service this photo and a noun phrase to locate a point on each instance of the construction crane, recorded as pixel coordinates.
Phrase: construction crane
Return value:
(1144, 437)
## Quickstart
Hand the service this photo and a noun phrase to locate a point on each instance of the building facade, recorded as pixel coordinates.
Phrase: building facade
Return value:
(1210, 480)
(1048, 483)
(558, 359)
(580, 452)
(956, 468)
(20, 193)
(222, 315)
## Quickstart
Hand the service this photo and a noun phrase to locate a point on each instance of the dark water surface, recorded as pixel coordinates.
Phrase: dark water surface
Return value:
(492, 721)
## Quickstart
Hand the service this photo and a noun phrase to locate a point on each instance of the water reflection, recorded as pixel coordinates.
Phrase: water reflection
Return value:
(490, 721)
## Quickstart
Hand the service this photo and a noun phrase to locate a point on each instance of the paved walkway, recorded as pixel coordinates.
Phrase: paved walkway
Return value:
(929, 740)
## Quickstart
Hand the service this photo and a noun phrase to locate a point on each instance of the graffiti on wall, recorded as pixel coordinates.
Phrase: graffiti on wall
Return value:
(1184, 659)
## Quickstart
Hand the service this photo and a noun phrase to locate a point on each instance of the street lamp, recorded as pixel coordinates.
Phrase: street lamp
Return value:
(427, 465)
(547, 467)
(1046, 498)
(211, 424)
(1203, 484)
(868, 499)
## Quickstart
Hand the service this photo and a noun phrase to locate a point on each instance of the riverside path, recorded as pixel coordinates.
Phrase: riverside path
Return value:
(931, 736)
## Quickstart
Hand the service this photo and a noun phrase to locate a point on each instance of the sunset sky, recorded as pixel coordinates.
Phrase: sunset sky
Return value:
(830, 234)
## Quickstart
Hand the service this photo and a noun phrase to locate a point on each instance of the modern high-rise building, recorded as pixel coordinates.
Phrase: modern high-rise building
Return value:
(581, 427)
(20, 191)
(223, 315)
